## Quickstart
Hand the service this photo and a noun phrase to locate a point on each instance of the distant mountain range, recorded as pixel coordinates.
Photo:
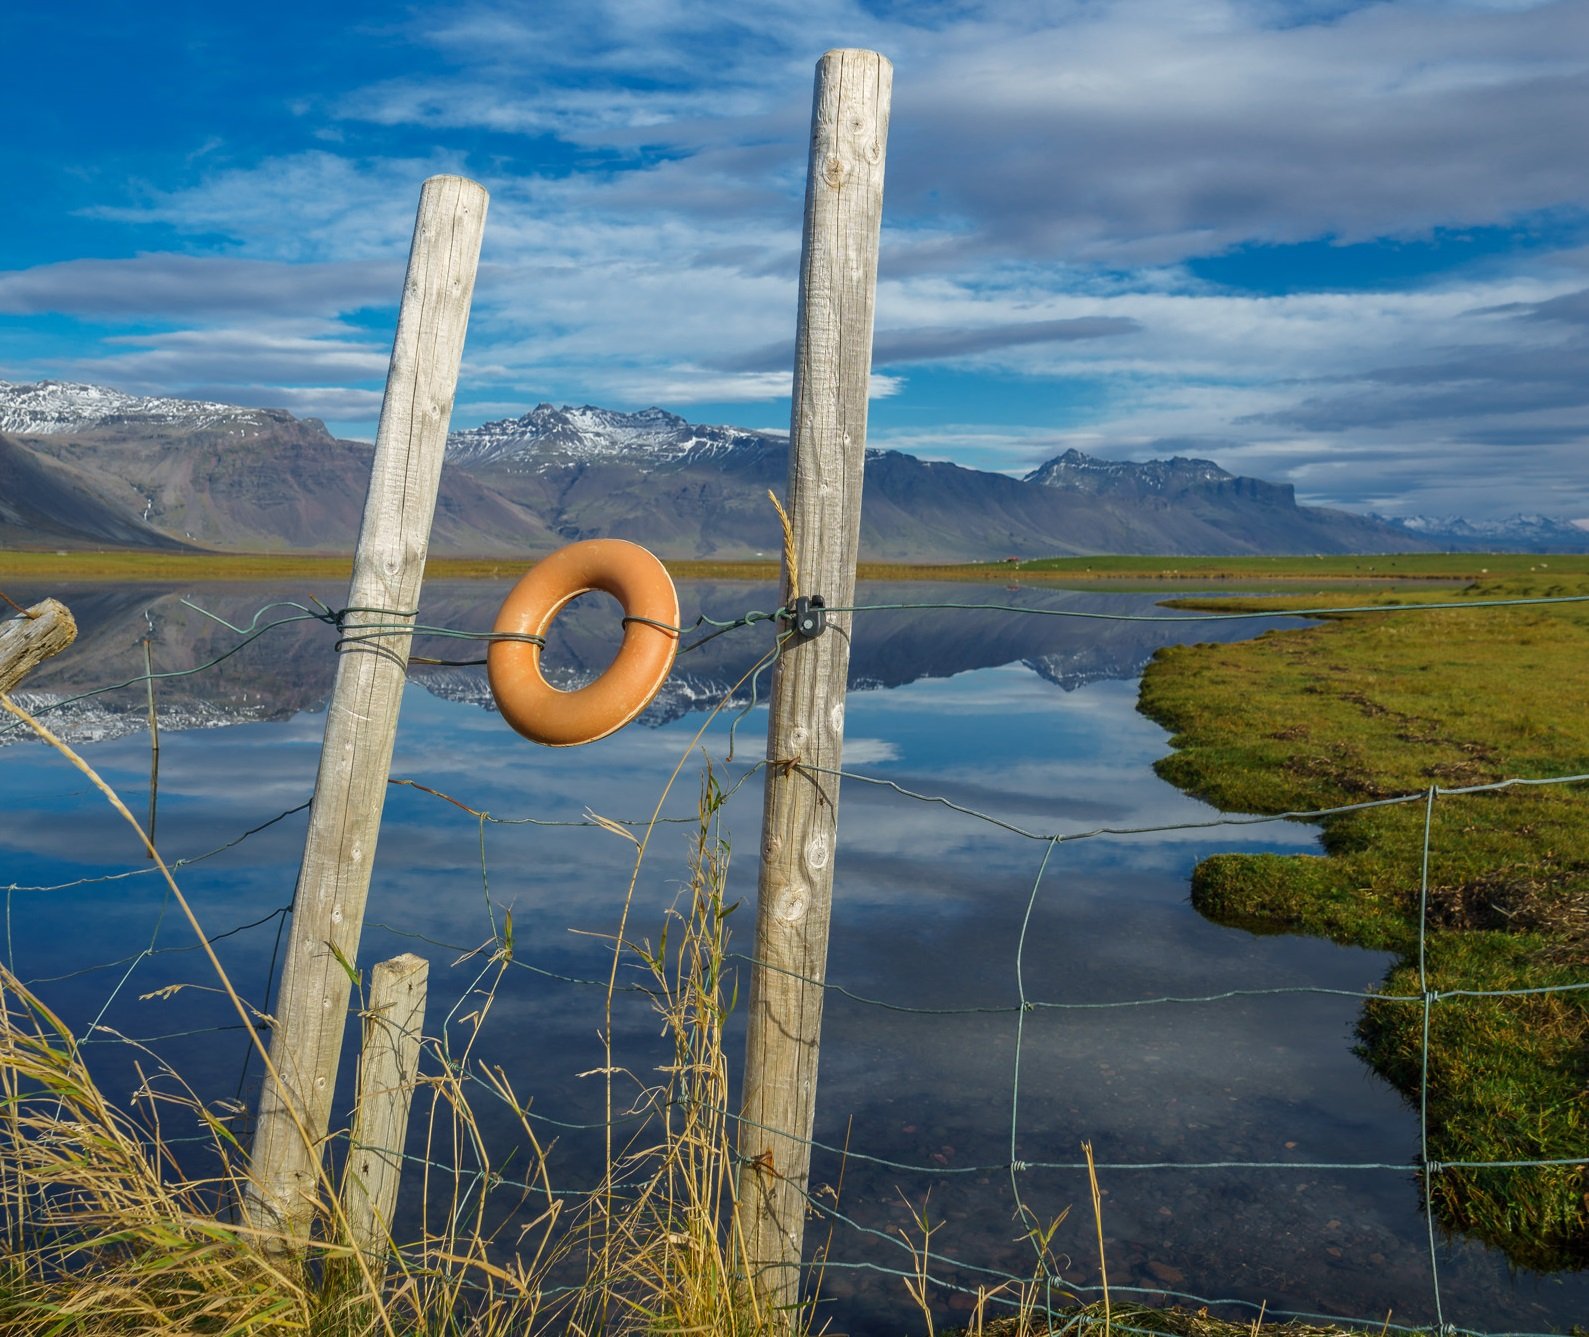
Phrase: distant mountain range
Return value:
(85, 466)
(1520, 533)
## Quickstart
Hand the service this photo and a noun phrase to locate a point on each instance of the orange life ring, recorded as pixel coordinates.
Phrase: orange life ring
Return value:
(639, 582)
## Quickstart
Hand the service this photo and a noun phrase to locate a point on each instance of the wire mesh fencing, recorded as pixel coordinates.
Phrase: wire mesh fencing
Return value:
(959, 1178)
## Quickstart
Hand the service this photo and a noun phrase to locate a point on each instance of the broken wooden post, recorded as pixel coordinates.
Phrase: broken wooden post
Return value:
(43, 630)
(388, 1066)
(827, 452)
(311, 1009)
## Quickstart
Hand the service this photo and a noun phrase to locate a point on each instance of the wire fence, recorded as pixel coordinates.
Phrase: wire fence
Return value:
(881, 1250)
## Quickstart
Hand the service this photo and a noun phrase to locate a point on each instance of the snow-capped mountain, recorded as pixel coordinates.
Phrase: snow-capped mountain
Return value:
(552, 438)
(57, 408)
(85, 465)
(1083, 473)
(1519, 533)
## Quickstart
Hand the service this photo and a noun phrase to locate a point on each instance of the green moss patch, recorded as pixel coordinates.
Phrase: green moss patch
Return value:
(1372, 706)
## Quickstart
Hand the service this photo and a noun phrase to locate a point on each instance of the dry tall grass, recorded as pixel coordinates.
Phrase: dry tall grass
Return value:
(106, 1231)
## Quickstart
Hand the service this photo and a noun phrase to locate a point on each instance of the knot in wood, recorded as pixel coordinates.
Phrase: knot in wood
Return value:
(834, 171)
(817, 852)
(791, 904)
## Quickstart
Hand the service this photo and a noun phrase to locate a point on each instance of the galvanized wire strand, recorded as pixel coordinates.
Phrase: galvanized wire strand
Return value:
(768, 662)
(366, 633)
(515, 964)
(990, 1168)
(270, 987)
(898, 1241)
(484, 815)
(1423, 1056)
(363, 632)
(1059, 1323)
(1022, 1211)
(108, 1035)
(720, 625)
(16, 726)
(1041, 1005)
(352, 635)
(174, 865)
(355, 634)
(369, 632)
(152, 951)
(189, 860)
(1290, 815)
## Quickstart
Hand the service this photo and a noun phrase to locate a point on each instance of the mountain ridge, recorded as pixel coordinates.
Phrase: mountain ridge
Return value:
(85, 465)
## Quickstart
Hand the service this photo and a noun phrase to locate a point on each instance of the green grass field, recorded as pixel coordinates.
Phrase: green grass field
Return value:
(1370, 706)
(1467, 566)
(134, 564)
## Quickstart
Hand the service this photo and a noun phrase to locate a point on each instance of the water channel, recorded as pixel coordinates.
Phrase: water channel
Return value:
(1029, 719)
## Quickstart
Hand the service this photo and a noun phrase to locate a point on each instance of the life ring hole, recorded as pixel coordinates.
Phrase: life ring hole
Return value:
(582, 640)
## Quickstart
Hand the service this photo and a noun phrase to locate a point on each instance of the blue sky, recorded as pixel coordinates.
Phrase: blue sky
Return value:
(1340, 245)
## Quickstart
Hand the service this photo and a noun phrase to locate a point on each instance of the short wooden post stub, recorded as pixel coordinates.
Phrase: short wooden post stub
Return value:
(388, 1067)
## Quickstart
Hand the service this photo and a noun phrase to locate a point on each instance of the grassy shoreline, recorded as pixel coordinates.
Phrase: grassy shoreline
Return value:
(146, 565)
(1367, 707)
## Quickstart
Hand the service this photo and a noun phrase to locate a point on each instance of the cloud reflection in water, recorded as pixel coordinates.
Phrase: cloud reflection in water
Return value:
(1032, 720)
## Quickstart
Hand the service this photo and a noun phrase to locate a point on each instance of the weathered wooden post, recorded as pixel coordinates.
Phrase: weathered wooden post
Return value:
(388, 1066)
(311, 1008)
(827, 451)
(25, 642)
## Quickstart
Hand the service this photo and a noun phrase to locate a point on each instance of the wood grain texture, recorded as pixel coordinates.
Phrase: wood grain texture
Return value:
(311, 1009)
(26, 642)
(833, 360)
(388, 1065)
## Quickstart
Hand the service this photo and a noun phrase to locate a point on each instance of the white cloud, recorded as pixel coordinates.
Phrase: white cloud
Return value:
(313, 206)
(869, 751)
(1128, 133)
(1050, 168)
(158, 286)
(253, 364)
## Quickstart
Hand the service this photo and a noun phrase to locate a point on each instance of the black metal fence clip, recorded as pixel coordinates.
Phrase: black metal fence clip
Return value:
(808, 618)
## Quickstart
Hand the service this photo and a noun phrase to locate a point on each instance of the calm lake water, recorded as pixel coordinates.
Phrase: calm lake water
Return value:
(1030, 719)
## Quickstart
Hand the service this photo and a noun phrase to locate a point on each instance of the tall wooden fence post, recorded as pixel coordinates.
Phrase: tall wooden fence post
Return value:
(805, 734)
(311, 1010)
(388, 1068)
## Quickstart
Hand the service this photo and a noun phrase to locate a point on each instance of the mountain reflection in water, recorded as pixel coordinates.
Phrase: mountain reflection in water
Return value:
(289, 668)
(933, 911)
